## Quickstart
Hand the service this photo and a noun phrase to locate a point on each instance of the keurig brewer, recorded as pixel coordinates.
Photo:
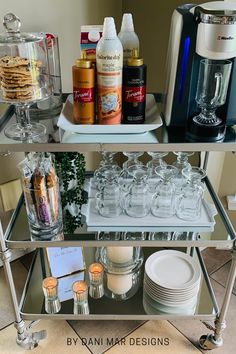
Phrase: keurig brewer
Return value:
(201, 70)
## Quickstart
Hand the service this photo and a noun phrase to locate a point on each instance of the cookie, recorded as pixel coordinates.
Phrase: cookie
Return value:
(24, 70)
(17, 85)
(8, 61)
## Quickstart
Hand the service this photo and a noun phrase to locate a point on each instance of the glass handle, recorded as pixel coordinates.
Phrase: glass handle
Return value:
(219, 78)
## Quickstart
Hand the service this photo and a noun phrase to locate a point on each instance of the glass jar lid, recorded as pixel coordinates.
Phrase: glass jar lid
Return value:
(13, 35)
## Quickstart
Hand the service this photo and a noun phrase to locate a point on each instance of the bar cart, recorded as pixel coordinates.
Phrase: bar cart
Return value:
(17, 236)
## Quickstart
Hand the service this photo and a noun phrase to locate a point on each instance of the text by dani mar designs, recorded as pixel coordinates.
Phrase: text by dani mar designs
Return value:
(140, 341)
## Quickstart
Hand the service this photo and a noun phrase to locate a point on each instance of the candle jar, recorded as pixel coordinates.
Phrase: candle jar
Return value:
(52, 302)
(80, 293)
(125, 258)
(120, 284)
(96, 289)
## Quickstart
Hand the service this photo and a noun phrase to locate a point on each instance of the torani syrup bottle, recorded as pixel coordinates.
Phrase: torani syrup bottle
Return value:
(134, 90)
(83, 91)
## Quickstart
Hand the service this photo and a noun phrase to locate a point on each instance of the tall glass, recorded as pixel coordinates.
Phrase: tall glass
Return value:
(213, 81)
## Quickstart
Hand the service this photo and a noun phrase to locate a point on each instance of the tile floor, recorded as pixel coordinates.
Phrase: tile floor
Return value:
(176, 337)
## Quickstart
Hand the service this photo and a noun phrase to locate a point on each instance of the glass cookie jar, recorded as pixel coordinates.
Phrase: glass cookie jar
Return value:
(24, 77)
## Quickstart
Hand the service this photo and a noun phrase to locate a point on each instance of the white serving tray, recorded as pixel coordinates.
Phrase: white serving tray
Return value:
(96, 222)
(153, 121)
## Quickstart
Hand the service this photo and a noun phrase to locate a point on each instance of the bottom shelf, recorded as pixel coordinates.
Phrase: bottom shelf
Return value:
(32, 302)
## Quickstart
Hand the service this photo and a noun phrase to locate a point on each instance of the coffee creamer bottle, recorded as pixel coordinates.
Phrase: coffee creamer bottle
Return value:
(109, 60)
(128, 37)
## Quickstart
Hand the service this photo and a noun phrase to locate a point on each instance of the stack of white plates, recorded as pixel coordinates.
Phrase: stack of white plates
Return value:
(171, 282)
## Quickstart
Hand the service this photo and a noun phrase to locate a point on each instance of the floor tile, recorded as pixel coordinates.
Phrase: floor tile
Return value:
(160, 336)
(194, 329)
(58, 334)
(222, 274)
(6, 311)
(104, 330)
(214, 259)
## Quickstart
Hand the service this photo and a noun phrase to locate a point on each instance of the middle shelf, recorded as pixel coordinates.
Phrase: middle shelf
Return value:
(18, 235)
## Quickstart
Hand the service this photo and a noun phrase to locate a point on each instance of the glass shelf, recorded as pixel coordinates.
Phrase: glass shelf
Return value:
(18, 236)
(161, 139)
(32, 302)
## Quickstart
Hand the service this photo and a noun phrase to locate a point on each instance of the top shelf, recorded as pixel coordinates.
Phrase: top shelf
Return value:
(161, 139)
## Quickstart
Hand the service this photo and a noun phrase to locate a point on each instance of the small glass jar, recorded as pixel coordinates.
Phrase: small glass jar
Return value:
(50, 288)
(122, 285)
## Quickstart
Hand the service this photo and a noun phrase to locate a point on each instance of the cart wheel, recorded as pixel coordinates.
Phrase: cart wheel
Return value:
(208, 342)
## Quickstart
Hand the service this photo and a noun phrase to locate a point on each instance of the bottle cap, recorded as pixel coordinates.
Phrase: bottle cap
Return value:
(109, 28)
(127, 23)
(134, 60)
(83, 62)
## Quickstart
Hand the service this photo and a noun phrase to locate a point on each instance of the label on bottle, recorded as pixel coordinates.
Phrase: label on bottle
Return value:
(135, 94)
(83, 95)
(109, 73)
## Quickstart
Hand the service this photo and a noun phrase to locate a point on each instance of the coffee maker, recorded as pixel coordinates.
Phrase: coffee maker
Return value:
(200, 34)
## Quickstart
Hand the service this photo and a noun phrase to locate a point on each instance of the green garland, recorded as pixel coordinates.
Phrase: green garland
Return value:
(71, 166)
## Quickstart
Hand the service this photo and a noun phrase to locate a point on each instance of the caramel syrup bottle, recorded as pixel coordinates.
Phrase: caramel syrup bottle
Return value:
(134, 90)
(83, 74)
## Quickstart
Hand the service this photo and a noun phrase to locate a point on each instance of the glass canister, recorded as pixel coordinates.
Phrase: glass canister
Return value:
(52, 106)
(24, 77)
(125, 257)
(42, 196)
(121, 284)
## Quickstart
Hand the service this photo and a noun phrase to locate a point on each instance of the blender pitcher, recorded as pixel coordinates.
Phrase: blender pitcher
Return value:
(212, 89)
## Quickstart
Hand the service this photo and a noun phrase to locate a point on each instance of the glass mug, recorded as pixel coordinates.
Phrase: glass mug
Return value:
(137, 202)
(163, 201)
(108, 200)
(190, 201)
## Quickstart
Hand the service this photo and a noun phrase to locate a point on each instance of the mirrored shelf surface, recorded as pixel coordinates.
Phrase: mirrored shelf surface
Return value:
(32, 302)
(18, 236)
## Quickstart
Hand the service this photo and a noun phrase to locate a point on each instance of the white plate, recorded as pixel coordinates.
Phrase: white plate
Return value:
(155, 306)
(153, 121)
(172, 269)
(172, 292)
(170, 296)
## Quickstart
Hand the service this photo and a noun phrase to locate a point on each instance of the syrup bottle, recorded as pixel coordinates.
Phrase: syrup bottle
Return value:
(83, 74)
(134, 90)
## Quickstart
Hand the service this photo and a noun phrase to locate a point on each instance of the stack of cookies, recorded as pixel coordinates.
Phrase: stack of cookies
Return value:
(19, 78)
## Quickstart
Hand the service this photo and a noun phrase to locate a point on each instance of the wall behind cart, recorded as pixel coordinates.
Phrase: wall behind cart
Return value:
(151, 18)
(63, 18)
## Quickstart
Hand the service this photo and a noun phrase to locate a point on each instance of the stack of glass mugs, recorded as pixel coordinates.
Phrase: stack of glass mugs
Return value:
(157, 188)
(122, 271)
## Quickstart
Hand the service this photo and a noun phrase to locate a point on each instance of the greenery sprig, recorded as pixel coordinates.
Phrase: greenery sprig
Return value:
(71, 166)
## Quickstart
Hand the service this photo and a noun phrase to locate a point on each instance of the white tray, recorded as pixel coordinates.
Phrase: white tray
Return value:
(96, 222)
(153, 121)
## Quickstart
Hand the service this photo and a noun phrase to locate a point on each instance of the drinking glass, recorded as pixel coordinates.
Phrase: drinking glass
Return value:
(134, 236)
(190, 201)
(106, 161)
(157, 160)
(102, 172)
(137, 202)
(213, 80)
(108, 202)
(132, 159)
(181, 163)
(163, 201)
(162, 236)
